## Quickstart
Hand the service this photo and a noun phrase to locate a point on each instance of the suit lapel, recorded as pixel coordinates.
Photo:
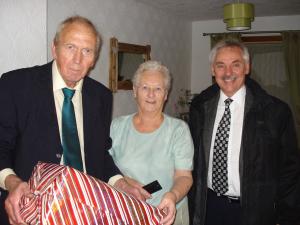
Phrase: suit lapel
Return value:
(248, 105)
(46, 105)
(210, 110)
(89, 110)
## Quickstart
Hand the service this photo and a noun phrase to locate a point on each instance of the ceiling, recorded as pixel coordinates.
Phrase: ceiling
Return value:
(193, 10)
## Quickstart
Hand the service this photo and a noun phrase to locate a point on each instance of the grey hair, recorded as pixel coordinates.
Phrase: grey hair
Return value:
(152, 65)
(229, 43)
(79, 20)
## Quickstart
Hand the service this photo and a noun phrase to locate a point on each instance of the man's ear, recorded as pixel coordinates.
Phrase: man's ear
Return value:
(212, 70)
(166, 97)
(53, 50)
(247, 69)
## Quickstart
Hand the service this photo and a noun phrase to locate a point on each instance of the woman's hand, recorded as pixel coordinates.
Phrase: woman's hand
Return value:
(168, 205)
(139, 186)
(133, 188)
(182, 183)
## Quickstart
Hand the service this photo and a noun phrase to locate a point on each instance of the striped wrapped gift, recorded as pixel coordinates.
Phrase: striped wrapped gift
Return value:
(65, 196)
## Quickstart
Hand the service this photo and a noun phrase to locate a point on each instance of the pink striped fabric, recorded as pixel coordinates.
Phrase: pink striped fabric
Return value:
(65, 196)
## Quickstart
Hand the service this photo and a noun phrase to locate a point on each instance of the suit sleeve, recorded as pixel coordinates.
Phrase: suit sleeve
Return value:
(110, 166)
(194, 123)
(8, 124)
(289, 180)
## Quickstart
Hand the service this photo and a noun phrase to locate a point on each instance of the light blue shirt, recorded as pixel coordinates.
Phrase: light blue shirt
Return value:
(152, 156)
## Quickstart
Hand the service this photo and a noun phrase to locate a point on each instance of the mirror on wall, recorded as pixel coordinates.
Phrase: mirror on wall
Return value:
(124, 61)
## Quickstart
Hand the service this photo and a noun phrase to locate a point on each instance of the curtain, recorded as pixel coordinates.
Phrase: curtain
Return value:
(272, 78)
(291, 49)
(215, 38)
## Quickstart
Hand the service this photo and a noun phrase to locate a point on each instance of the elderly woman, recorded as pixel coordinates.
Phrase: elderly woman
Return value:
(150, 145)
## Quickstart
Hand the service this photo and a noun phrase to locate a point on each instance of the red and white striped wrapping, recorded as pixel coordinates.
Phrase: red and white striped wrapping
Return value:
(65, 196)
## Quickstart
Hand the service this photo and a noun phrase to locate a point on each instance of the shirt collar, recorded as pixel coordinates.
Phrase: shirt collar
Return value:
(238, 97)
(59, 83)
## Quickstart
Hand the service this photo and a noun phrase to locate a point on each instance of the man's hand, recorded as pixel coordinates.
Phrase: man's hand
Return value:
(168, 205)
(133, 188)
(16, 188)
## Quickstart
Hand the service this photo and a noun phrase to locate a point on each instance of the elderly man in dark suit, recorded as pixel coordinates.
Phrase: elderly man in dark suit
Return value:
(247, 166)
(32, 126)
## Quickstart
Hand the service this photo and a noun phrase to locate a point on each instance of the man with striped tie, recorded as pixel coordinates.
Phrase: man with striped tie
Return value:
(246, 165)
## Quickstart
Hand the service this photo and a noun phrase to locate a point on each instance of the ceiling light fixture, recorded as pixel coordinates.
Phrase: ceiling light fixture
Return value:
(238, 16)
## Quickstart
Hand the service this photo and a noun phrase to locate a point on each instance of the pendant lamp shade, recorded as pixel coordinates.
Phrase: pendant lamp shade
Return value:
(238, 16)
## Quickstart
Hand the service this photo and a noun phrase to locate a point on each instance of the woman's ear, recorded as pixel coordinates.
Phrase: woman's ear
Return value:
(134, 91)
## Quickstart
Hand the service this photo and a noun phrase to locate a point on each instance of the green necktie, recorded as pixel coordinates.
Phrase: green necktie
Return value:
(70, 141)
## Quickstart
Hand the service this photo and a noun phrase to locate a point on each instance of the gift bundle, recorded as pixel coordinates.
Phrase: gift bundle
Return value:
(65, 196)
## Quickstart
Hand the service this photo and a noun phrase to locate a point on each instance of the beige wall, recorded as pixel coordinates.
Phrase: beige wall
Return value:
(27, 29)
(23, 34)
(133, 22)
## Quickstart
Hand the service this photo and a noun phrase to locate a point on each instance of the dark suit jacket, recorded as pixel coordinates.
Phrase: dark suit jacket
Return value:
(29, 129)
(269, 160)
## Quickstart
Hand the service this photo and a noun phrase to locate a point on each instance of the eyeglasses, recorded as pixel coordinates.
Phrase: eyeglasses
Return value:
(155, 90)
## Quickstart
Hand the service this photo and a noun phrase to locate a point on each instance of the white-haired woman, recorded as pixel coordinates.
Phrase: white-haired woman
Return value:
(150, 145)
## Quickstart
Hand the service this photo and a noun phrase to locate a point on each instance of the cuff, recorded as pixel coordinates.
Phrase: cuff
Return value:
(3, 174)
(114, 179)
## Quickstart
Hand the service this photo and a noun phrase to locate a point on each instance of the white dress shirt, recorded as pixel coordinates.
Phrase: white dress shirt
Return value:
(234, 142)
(58, 85)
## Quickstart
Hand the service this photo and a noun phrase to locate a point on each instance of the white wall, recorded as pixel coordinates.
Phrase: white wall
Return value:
(23, 34)
(25, 39)
(132, 22)
(200, 75)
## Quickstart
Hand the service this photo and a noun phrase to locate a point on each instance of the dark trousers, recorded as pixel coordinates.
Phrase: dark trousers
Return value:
(220, 210)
